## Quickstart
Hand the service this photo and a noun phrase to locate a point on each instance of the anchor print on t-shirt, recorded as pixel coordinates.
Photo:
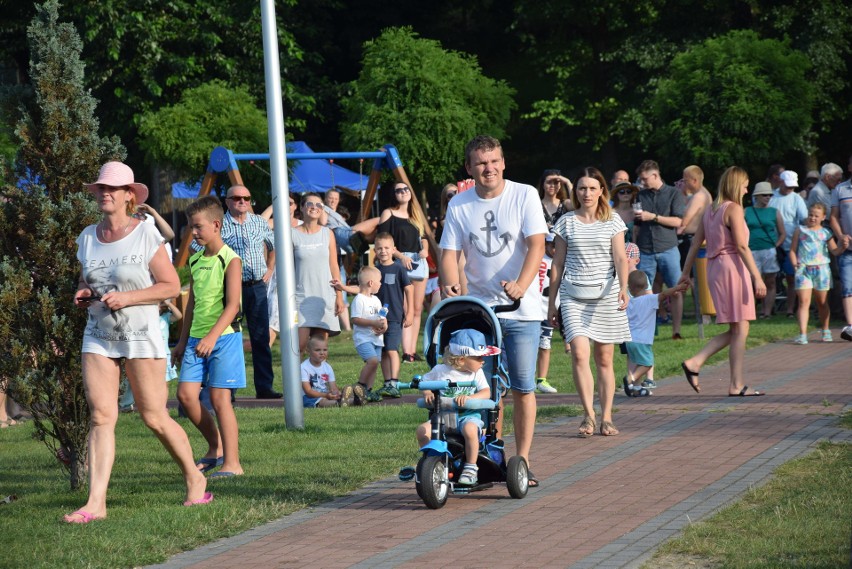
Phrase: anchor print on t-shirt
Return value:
(488, 240)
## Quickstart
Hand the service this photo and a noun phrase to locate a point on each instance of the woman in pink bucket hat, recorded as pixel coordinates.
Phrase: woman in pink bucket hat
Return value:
(119, 256)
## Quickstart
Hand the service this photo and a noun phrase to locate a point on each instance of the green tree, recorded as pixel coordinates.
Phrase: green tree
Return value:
(44, 207)
(213, 114)
(734, 99)
(426, 101)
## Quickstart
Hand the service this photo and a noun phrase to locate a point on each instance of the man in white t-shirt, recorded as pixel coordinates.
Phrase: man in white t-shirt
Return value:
(500, 228)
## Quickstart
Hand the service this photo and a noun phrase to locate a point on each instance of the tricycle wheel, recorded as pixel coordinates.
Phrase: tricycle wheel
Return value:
(418, 477)
(434, 483)
(517, 477)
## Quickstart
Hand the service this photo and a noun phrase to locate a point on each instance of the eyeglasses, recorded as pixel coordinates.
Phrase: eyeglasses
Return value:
(313, 204)
(402, 190)
(240, 198)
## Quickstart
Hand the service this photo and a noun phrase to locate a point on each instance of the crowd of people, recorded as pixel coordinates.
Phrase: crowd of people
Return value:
(603, 263)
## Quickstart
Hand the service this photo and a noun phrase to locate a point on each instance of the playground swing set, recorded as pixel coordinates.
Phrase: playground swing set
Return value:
(224, 161)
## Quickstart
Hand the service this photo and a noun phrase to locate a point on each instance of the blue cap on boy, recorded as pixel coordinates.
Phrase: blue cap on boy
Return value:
(469, 342)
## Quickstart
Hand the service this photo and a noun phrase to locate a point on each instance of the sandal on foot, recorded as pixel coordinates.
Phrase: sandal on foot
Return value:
(610, 429)
(743, 393)
(206, 499)
(587, 428)
(637, 391)
(208, 464)
(532, 481)
(84, 517)
(691, 377)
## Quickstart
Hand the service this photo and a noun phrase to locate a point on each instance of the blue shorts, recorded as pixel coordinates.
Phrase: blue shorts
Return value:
(309, 402)
(393, 336)
(787, 266)
(225, 368)
(475, 419)
(844, 264)
(341, 237)
(817, 277)
(640, 354)
(668, 263)
(546, 335)
(520, 352)
(369, 351)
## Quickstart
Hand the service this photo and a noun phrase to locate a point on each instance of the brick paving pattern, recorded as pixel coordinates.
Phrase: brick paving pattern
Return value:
(603, 501)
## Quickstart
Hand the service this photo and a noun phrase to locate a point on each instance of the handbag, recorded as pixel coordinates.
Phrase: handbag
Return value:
(588, 290)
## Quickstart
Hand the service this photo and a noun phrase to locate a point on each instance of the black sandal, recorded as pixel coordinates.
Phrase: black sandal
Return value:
(743, 393)
(691, 377)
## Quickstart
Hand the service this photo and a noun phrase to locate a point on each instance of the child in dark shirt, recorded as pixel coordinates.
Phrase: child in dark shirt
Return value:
(397, 294)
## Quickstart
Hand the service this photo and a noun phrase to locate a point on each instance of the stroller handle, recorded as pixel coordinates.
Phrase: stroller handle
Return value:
(506, 307)
(470, 404)
(434, 385)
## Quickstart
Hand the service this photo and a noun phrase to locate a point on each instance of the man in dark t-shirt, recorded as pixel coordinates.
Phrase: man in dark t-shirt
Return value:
(656, 233)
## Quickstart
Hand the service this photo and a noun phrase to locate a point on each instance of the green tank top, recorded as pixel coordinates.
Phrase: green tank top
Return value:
(208, 288)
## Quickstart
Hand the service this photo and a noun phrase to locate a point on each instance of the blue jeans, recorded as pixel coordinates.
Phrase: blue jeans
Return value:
(256, 312)
(520, 350)
(844, 264)
(668, 263)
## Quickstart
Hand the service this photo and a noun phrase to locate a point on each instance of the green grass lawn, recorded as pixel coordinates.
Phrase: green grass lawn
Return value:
(338, 451)
(798, 519)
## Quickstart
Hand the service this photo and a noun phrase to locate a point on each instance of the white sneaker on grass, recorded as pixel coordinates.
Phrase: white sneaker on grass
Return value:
(542, 386)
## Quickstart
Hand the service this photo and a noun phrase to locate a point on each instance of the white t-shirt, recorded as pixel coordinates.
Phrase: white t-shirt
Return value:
(133, 331)
(793, 212)
(368, 307)
(642, 317)
(492, 233)
(317, 377)
(443, 371)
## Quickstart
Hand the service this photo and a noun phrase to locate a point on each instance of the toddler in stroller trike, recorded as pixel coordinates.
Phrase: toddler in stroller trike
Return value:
(462, 451)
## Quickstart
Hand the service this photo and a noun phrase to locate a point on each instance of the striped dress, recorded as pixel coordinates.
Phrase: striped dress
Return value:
(589, 258)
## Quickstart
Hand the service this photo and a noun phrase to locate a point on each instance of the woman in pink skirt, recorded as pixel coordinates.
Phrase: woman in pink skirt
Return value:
(728, 267)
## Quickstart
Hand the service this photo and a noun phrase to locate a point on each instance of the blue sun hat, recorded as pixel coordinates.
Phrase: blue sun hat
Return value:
(469, 342)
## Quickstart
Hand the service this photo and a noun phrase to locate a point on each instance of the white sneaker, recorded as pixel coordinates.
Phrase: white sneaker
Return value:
(846, 333)
(542, 386)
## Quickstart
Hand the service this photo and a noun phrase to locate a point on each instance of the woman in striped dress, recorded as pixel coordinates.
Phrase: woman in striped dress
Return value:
(590, 249)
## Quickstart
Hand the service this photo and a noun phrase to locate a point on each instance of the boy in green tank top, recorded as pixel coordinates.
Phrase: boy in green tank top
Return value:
(210, 348)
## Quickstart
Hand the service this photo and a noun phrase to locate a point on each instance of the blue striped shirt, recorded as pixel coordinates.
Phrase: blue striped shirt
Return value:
(247, 240)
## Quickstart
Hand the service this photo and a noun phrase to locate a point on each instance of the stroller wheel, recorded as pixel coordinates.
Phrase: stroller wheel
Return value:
(517, 477)
(434, 484)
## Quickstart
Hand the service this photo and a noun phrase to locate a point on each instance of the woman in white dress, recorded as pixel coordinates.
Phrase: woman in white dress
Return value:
(590, 252)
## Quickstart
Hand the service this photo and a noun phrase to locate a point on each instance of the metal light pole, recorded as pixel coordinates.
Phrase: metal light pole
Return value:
(293, 411)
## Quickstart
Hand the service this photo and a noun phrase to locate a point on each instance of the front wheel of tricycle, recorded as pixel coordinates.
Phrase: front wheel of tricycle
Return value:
(517, 477)
(434, 484)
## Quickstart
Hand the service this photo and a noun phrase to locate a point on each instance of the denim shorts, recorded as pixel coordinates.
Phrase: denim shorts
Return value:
(341, 237)
(766, 261)
(668, 263)
(475, 419)
(544, 339)
(520, 352)
(421, 267)
(224, 368)
(393, 336)
(844, 263)
(310, 402)
(368, 351)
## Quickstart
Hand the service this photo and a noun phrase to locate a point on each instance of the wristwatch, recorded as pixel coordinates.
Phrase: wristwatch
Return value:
(656, 215)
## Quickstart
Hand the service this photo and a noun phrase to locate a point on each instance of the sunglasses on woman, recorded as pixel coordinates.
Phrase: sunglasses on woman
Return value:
(625, 192)
(401, 190)
(313, 204)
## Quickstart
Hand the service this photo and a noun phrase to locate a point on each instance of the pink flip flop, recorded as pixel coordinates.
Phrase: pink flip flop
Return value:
(85, 517)
(206, 499)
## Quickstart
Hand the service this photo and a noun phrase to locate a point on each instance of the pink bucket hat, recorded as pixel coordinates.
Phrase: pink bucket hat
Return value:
(118, 174)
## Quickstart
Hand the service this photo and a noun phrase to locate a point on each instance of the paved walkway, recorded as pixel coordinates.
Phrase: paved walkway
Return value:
(603, 501)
